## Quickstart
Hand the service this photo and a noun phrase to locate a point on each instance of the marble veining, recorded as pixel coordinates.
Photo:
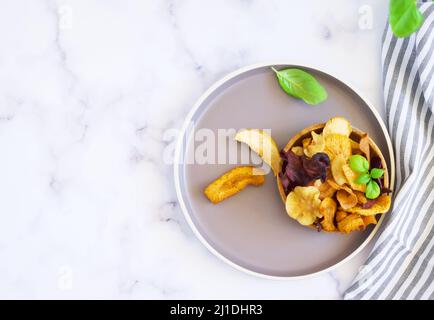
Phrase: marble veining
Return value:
(88, 93)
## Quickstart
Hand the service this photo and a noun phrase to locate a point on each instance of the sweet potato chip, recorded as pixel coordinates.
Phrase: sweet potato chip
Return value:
(364, 146)
(367, 220)
(381, 205)
(303, 205)
(361, 198)
(337, 145)
(351, 177)
(337, 165)
(351, 222)
(346, 199)
(328, 209)
(233, 182)
(340, 215)
(354, 146)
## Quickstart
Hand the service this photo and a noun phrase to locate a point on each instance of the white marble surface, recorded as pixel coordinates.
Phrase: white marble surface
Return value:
(87, 90)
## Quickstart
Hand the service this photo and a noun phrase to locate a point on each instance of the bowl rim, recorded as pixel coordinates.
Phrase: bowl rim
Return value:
(178, 167)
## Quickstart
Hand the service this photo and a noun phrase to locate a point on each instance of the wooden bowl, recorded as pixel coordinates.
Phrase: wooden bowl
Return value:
(356, 135)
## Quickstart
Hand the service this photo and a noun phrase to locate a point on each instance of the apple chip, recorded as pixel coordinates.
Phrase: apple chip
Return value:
(381, 205)
(317, 145)
(325, 189)
(351, 177)
(337, 165)
(297, 151)
(303, 205)
(367, 220)
(337, 125)
(337, 145)
(233, 182)
(264, 145)
(364, 146)
(351, 222)
(328, 209)
(346, 199)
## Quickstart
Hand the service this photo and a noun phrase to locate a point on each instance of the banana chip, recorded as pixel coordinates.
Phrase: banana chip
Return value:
(337, 125)
(381, 205)
(337, 145)
(328, 209)
(351, 222)
(233, 182)
(346, 199)
(338, 174)
(316, 145)
(351, 176)
(303, 205)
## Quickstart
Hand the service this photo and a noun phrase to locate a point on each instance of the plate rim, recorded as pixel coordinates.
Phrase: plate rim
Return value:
(178, 152)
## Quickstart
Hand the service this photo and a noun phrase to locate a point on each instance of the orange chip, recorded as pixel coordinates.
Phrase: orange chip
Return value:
(367, 220)
(364, 146)
(352, 222)
(328, 209)
(381, 205)
(346, 199)
(233, 182)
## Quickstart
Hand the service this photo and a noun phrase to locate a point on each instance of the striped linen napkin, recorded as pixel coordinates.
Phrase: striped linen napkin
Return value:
(401, 264)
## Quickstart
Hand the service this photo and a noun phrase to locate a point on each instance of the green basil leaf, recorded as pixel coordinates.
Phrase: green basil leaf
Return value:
(364, 178)
(372, 190)
(404, 17)
(301, 85)
(377, 173)
(359, 163)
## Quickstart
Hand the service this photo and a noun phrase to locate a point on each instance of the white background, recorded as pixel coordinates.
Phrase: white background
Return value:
(88, 89)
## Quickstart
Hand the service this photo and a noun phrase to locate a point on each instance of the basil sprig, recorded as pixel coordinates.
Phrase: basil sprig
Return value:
(360, 165)
(404, 17)
(301, 85)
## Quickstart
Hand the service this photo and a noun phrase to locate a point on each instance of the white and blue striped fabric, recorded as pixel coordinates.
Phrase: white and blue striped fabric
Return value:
(401, 264)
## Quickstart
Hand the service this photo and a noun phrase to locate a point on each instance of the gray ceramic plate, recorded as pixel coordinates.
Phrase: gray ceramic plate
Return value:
(251, 230)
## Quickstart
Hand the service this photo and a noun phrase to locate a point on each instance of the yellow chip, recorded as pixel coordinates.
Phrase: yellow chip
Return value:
(351, 222)
(337, 170)
(325, 189)
(317, 145)
(303, 204)
(305, 142)
(328, 209)
(381, 205)
(364, 146)
(346, 199)
(351, 177)
(337, 125)
(337, 145)
(297, 151)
